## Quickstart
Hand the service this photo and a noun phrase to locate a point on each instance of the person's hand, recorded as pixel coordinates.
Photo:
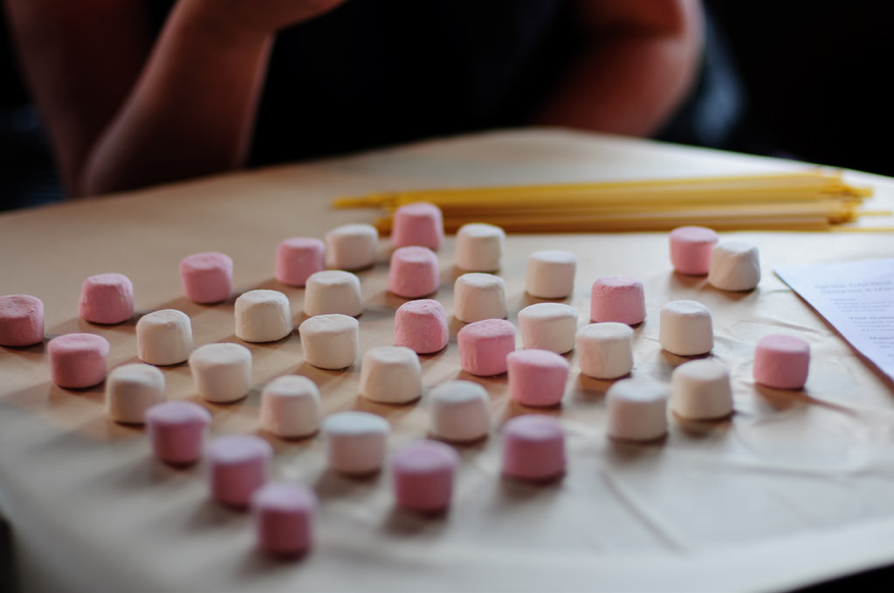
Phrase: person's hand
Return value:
(258, 16)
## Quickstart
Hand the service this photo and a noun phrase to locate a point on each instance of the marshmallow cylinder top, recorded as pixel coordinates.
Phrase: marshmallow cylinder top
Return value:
(479, 247)
(690, 249)
(106, 299)
(177, 431)
(391, 375)
(290, 407)
(78, 360)
(421, 326)
(605, 350)
(333, 291)
(237, 467)
(351, 246)
(550, 274)
(413, 272)
(637, 409)
(781, 361)
(422, 473)
(420, 224)
(355, 442)
(700, 390)
(685, 328)
(221, 372)
(21, 320)
(263, 316)
(478, 296)
(131, 390)
(533, 448)
(484, 345)
(164, 337)
(207, 277)
(617, 298)
(284, 515)
(459, 411)
(537, 377)
(297, 258)
(735, 266)
(330, 341)
(548, 326)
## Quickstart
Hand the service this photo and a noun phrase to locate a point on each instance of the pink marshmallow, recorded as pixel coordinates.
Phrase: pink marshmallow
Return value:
(413, 272)
(533, 448)
(421, 326)
(690, 249)
(537, 377)
(177, 431)
(781, 361)
(238, 465)
(284, 518)
(419, 224)
(422, 473)
(78, 360)
(21, 320)
(484, 345)
(106, 299)
(207, 277)
(619, 299)
(297, 258)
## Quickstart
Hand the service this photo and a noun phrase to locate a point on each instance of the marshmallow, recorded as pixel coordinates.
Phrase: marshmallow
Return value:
(637, 410)
(550, 274)
(479, 247)
(421, 326)
(237, 467)
(330, 341)
(355, 442)
(548, 326)
(333, 291)
(106, 299)
(164, 337)
(781, 361)
(685, 328)
(479, 296)
(290, 407)
(207, 277)
(297, 258)
(413, 272)
(484, 345)
(536, 377)
(177, 431)
(533, 448)
(221, 372)
(284, 514)
(131, 390)
(422, 473)
(21, 320)
(420, 224)
(700, 390)
(263, 316)
(78, 360)
(351, 246)
(391, 375)
(459, 411)
(605, 350)
(616, 298)
(690, 249)
(735, 266)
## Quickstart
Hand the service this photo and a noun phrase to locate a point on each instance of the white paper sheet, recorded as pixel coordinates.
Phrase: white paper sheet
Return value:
(857, 298)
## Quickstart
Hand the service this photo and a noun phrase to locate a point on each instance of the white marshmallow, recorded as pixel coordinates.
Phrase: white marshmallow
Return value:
(459, 411)
(221, 372)
(637, 410)
(479, 247)
(355, 442)
(685, 328)
(164, 337)
(391, 375)
(351, 246)
(605, 350)
(131, 390)
(735, 266)
(263, 316)
(548, 326)
(290, 407)
(330, 341)
(479, 296)
(550, 274)
(333, 291)
(700, 390)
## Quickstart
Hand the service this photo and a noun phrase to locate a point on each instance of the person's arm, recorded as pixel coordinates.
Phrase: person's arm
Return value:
(640, 61)
(125, 111)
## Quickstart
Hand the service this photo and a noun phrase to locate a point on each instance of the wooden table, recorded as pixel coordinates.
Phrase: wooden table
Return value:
(796, 488)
